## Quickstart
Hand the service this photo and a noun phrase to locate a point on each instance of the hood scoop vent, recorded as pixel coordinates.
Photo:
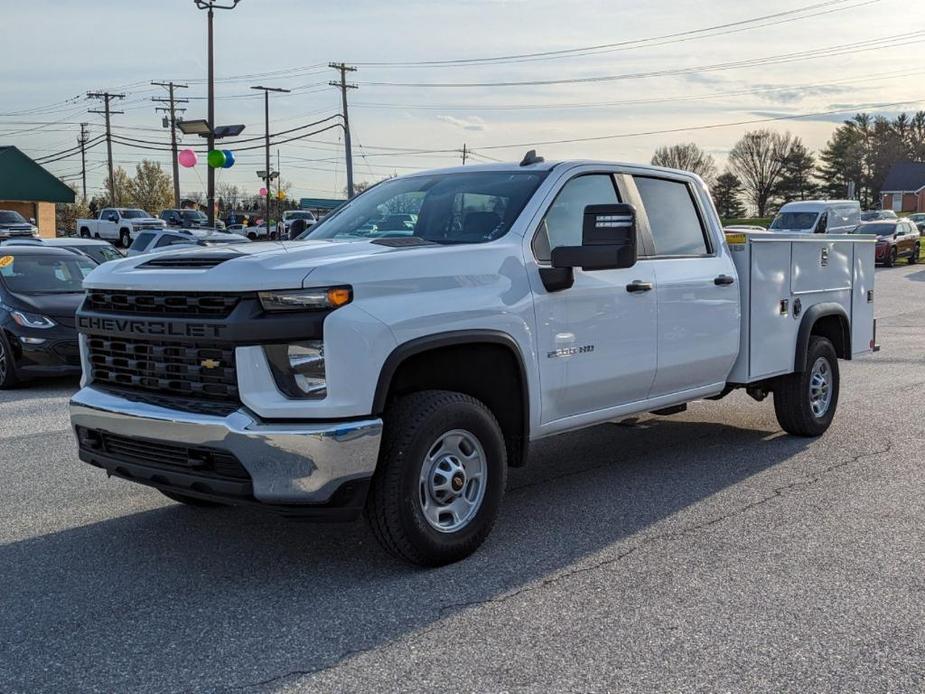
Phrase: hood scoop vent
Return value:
(404, 242)
(190, 262)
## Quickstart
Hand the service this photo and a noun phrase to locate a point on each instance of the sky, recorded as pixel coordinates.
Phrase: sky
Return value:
(615, 79)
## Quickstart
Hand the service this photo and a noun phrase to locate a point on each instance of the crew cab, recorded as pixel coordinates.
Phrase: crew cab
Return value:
(118, 224)
(403, 371)
(14, 226)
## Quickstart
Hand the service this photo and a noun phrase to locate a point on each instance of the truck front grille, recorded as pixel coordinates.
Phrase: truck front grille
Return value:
(185, 304)
(170, 368)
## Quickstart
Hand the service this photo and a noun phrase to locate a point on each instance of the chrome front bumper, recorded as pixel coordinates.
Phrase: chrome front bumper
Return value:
(288, 463)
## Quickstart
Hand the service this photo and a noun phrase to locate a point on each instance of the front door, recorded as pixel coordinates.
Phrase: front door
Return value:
(596, 340)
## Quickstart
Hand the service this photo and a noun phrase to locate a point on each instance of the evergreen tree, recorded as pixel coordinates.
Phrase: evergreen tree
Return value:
(726, 192)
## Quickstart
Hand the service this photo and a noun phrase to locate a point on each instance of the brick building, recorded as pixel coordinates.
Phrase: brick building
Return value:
(904, 188)
(27, 188)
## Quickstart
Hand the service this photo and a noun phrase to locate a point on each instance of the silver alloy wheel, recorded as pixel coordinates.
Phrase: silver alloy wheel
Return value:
(452, 482)
(3, 365)
(820, 387)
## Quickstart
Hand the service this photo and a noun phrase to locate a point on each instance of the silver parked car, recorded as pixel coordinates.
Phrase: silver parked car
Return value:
(159, 240)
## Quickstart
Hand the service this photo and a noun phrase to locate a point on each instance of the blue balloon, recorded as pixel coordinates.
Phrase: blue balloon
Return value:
(229, 158)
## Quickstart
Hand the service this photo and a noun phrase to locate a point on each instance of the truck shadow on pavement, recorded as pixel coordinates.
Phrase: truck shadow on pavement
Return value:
(179, 598)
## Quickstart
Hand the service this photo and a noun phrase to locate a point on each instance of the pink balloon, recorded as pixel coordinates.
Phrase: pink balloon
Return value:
(188, 158)
(263, 192)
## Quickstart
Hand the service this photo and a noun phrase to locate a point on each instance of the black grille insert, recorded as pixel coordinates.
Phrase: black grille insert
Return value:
(175, 368)
(205, 462)
(190, 262)
(217, 305)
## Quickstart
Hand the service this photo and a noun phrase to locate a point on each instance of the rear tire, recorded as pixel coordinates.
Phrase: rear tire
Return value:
(190, 500)
(125, 238)
(440, 479)
(805, 402)
(84, 233)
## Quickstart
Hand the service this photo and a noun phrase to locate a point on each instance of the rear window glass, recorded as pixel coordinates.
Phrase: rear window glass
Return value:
(673, 218)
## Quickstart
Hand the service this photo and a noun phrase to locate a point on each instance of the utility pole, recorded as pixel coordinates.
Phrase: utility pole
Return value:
(172, 115)
(106, 98)
(343, 86)
(465, 153)
(83, 157)
(269, 173)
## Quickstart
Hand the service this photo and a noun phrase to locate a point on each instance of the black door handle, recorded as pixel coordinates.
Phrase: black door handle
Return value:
(724, 280)
(637, 286)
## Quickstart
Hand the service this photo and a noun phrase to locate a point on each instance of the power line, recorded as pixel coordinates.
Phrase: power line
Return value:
(107, 98)
(343, 69)
(830, 51)
(633, 43)
(172, 111)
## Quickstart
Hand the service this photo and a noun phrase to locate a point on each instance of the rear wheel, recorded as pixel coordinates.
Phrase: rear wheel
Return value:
(84, 233)
(252, 236)
(440, 479)
(190, 500)
(805, 402)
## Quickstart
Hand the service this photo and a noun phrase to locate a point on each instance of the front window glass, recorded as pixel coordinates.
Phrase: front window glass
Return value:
(103, 253)
(795, 220)
(564, 221)
(10, 217)
(448, 209)
(876, 228)
(36, 274)
(142, 241)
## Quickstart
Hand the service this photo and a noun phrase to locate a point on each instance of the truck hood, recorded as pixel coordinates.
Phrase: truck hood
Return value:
(238, 268)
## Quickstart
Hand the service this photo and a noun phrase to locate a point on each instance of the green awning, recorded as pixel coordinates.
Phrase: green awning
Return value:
(21, 179)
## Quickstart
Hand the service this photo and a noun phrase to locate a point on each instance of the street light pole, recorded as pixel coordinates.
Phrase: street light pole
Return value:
(211, 5)
(266, 109)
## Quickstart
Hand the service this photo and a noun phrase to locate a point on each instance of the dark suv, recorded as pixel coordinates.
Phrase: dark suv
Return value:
(188, 219)
(896, 238)
(40, 291)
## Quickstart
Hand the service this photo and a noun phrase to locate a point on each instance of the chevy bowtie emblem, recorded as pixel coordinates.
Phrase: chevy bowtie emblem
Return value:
(210, 364)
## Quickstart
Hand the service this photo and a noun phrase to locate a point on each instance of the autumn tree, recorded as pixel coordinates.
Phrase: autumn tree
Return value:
(726, 192)
(687, 157)
(123, 195)
(151, 188)
(758, 160)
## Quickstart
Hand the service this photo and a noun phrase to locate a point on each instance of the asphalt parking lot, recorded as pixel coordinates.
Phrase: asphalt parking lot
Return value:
(702, 552)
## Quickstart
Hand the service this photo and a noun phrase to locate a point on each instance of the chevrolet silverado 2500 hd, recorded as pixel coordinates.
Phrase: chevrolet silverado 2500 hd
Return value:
(118, 224)
(403, 371)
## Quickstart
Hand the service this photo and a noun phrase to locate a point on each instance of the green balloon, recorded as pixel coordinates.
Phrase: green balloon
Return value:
(216, 158)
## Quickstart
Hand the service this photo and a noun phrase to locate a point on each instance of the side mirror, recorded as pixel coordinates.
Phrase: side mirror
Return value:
(32, 221)
(608, 240)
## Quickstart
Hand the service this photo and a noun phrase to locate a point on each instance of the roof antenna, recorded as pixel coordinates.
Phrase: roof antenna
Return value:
(531, 158)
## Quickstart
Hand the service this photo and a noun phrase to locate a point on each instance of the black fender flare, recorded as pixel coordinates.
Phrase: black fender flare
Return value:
(810, 317)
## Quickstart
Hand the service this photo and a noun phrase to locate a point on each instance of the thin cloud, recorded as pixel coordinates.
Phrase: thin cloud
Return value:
(468, 123)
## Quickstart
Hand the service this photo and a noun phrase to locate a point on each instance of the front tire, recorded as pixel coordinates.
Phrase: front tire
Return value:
(891, 257)
(440, 479)
(914, 258)
(125, 238)
(8, 378)
(805, 402)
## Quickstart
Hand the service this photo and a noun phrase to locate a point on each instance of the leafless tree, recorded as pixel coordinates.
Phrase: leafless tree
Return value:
(758, 159)
(687, 157)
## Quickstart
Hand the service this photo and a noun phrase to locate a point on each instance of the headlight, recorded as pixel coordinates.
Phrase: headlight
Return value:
(32, 320)
(306, 299)
(298, 369)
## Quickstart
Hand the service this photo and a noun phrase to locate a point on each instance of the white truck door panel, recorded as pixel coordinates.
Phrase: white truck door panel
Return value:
(820, 267)
(772, 330)
(597, 342)
(862, 300)
(698, 323)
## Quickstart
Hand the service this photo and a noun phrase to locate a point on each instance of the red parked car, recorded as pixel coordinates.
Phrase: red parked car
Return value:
(896, 238)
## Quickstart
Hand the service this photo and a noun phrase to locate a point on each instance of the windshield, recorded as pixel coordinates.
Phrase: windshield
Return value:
(443, 208)
(298, 215)
(134, 214)
(878, 229)
(194, 214)
(102, 253)
(38, 274)
(795, 220)
(10, 217)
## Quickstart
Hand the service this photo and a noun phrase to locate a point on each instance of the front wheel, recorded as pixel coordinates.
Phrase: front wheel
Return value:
(8, 377)
(914, 258)
(891, 257)
(805, 402)
(440, 479)
(125, 238)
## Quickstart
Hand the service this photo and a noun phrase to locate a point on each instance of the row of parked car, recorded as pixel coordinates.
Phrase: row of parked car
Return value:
(897, 237)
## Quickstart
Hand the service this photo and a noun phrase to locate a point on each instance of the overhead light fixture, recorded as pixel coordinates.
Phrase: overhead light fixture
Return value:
(195, 127)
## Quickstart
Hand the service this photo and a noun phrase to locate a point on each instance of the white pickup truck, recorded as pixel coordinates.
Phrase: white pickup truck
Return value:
(403, 372)
(118, 224)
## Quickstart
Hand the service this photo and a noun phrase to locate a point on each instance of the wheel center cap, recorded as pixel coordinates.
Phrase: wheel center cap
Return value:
(458, 481)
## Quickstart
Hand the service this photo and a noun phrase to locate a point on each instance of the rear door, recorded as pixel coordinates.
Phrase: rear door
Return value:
(596, 340)
(698, 300)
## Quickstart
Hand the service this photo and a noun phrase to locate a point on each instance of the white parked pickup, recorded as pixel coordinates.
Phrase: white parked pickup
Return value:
(118, 224)
(402, 371)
